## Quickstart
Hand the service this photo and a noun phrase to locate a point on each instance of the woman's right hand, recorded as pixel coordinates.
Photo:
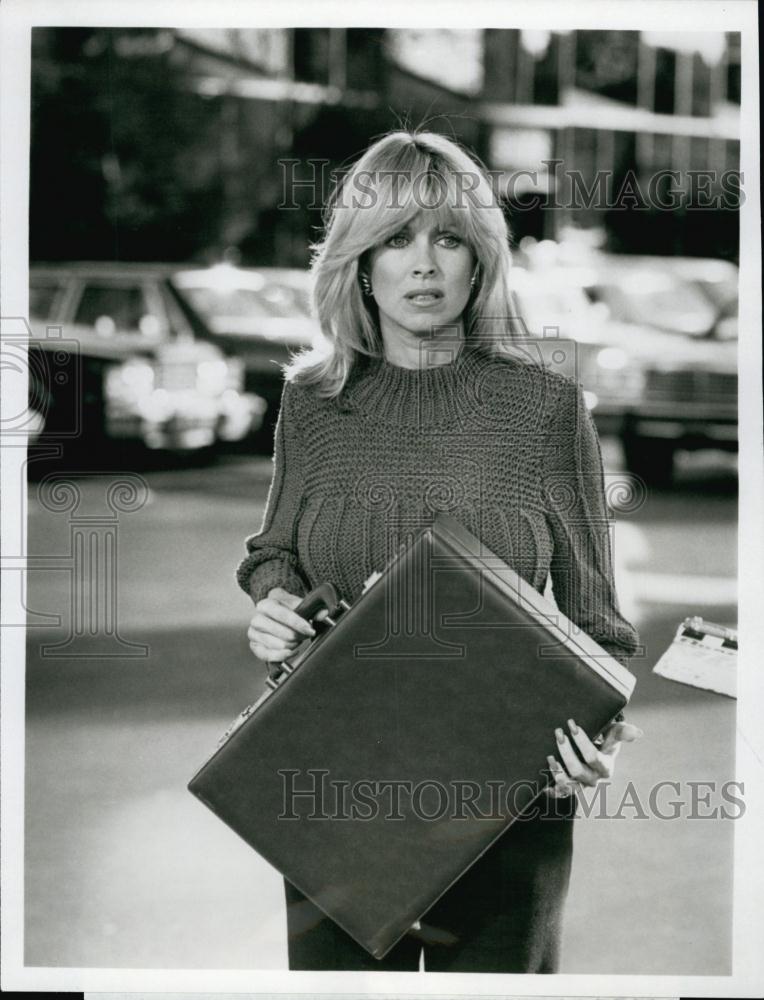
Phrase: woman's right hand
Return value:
(275, 631)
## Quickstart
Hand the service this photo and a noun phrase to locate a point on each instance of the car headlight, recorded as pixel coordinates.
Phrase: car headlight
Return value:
(591, 399)
(612, 359)
(211, 377)
(130, 380)
(613, 375)
(235, 376)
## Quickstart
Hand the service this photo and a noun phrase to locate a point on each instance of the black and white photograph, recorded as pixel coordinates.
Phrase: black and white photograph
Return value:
(382, 477)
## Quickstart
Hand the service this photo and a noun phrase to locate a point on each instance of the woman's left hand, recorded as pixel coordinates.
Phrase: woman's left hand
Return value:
(594, 762)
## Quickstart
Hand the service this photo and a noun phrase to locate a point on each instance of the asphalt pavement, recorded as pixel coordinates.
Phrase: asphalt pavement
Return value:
(124, 868)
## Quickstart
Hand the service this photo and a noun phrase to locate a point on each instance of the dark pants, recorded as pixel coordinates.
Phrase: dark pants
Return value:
(503, 915)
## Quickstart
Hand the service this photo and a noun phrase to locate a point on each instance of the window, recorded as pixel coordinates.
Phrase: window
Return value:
(733, 67)
(701, 86)
(657, 299)
(665, 80)
(364, 58)
(112, 308)
(274, 301)
(311, 55)
(42, 294)
(606, 64)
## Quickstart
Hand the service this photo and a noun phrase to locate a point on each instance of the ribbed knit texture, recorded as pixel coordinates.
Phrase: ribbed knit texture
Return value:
(507, 448)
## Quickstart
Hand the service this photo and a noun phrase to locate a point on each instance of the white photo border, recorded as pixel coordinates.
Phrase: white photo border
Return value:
(17, 17)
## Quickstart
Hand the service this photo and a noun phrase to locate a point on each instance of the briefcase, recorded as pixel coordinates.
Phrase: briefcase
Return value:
(399, 744)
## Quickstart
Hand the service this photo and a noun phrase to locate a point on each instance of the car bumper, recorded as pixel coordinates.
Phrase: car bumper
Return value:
(688, 429)
(188, 421)
(241, 413)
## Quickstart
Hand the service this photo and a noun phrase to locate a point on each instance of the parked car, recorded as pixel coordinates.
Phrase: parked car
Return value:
(654, 344)
(262, 315)
(681, 314)
(560, 327)
(115, 356)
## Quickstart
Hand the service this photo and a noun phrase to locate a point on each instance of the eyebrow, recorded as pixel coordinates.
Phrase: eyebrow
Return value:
(406, 228)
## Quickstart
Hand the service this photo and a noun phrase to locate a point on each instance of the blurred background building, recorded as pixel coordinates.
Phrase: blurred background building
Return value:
(165, 144)
(181, 148)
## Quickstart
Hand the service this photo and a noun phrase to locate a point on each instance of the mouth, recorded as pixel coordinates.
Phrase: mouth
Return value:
(424, 297)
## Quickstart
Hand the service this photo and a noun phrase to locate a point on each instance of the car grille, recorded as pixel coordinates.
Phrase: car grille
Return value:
(174, 377)
(691, 387)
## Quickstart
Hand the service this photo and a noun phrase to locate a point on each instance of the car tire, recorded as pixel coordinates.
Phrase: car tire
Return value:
(650, 459)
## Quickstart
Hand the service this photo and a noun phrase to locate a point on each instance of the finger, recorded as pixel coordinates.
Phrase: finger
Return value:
(573, 765)
(589, 752)
(260, 623)
(292, 601)
(619, 732)
(562, 786)
(281, 613)
(267, 654)
(273, 641)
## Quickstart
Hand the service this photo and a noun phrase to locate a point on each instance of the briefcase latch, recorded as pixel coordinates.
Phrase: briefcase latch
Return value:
(371, 580)
(341, 607)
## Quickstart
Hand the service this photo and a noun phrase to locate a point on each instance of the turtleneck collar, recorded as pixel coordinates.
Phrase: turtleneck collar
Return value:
(419, 396)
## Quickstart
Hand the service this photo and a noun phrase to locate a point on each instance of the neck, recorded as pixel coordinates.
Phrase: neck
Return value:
(427, 395)
(431, 352)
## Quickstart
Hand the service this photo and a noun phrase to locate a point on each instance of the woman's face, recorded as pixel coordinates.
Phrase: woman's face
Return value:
(420, 279)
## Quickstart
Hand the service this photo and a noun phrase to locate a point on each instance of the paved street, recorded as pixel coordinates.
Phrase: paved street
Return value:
(125, 869)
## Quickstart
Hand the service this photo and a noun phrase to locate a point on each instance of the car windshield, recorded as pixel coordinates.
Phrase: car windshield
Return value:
(722, 294)
(114, 309)
(41, 296)
(549, 306)
(660, 300)
(273, 301)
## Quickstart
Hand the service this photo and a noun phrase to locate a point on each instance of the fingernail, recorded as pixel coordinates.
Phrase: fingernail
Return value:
(640, 732)
(572, 726)
(560, 735)
(551, 762)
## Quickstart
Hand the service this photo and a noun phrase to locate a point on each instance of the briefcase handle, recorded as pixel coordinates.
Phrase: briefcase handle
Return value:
(322, 597)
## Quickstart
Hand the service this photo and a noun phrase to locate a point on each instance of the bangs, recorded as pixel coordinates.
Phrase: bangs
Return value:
(443, 216)
(380, 210)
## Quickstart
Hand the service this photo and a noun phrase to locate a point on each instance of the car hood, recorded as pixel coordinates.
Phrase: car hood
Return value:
(122, 346)
(290, 331)
(657, 349)
(662, 350)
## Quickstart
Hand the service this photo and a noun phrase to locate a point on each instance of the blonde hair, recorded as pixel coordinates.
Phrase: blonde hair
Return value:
(400, 175)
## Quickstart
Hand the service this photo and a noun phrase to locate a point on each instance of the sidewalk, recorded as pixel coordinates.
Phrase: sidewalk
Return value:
(125, 869)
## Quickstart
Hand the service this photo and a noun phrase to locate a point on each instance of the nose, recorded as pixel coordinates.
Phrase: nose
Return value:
(424, 270)
(424, 261)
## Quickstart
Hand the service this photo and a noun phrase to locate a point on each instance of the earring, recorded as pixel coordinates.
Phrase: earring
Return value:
(473, 279)
(365, 284)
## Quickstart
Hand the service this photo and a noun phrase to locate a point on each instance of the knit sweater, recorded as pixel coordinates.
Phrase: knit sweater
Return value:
(507, 447)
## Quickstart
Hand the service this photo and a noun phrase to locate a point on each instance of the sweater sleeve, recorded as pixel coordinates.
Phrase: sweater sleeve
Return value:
(271, 559)
(574, 492)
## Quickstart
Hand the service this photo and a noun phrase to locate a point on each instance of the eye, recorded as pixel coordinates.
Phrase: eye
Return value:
(449, 240)
(397, 240)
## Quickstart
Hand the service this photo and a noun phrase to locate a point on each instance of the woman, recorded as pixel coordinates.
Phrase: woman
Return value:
(420, 403)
